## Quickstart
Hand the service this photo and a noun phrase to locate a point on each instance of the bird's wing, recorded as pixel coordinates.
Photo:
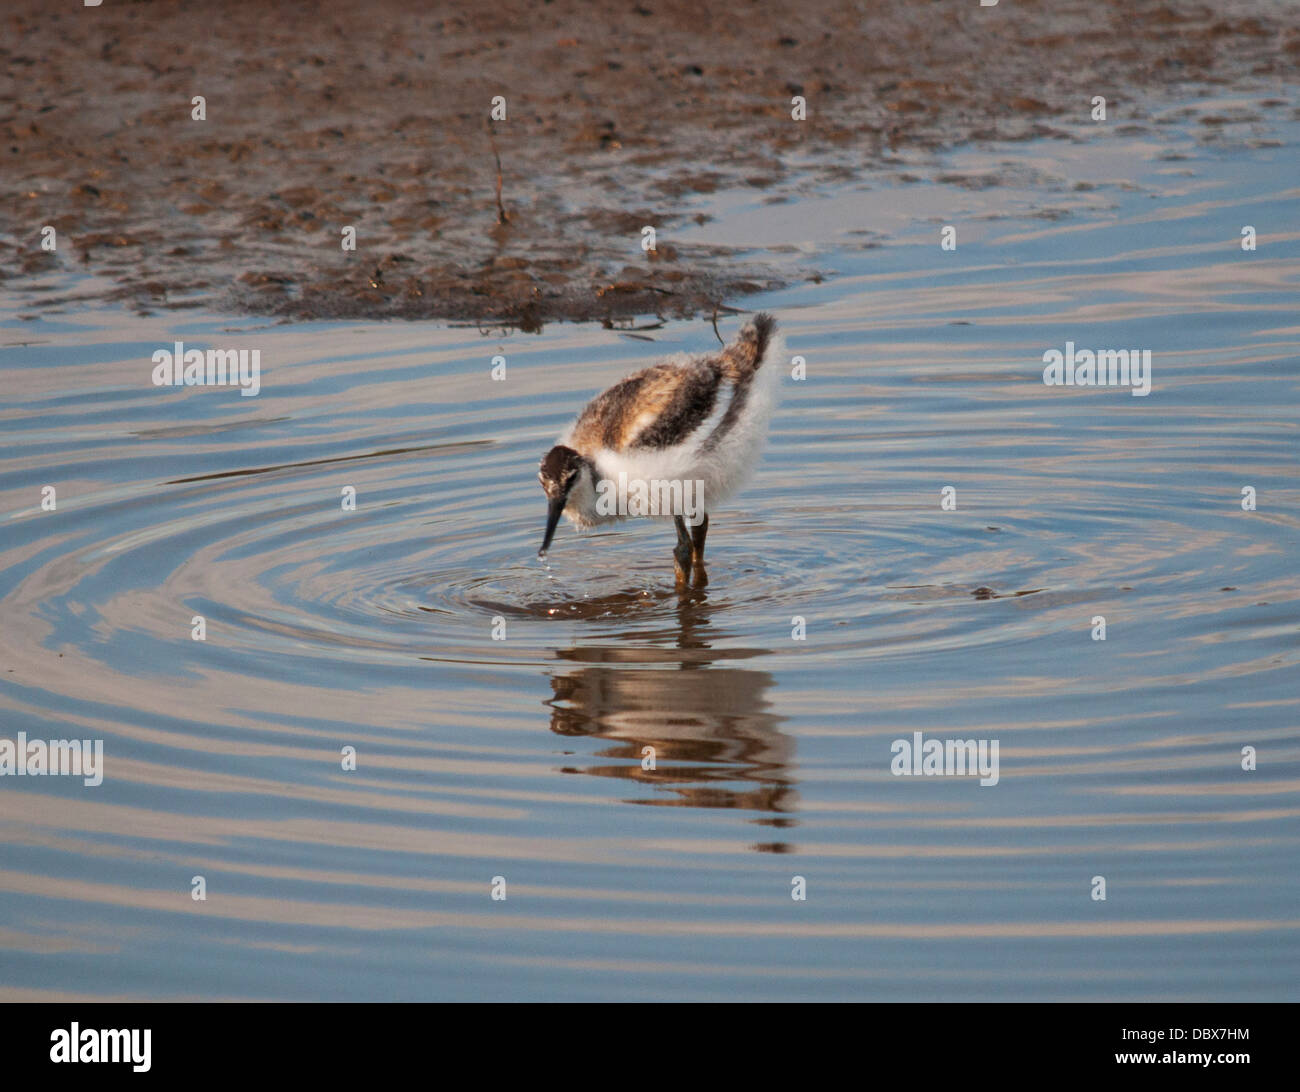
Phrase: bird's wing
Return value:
(659, 407)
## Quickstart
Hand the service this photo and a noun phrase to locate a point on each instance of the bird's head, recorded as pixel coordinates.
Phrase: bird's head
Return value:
(560, 470)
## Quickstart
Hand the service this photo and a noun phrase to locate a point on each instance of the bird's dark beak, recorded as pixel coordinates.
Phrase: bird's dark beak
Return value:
(554, 509)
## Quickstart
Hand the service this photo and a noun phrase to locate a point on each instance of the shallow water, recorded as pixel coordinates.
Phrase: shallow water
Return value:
(521, 757)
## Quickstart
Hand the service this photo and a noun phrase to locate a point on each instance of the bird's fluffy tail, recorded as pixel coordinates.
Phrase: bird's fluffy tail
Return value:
(743, 357)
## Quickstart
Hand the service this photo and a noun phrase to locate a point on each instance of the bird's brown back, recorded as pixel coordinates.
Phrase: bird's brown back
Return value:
(664, 404)
(655, 408)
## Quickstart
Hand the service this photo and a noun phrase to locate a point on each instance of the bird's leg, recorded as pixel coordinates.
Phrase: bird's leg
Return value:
(697, 550)
(682, 553)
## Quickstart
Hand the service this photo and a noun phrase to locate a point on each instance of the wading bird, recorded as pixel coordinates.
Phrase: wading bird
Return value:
(683, 434)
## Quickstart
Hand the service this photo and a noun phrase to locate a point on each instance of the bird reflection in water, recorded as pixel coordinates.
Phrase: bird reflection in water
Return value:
(715, 744)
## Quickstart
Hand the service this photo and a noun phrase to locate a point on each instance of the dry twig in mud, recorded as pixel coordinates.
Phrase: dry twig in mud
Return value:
(502, 217)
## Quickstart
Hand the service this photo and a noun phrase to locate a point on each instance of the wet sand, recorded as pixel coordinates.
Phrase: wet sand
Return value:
(322, 115)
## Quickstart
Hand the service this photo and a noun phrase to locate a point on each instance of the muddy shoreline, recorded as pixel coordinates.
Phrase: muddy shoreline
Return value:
(325, 115)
